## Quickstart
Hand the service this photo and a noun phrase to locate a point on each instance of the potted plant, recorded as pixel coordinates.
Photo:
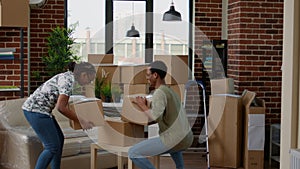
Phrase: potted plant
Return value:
(116, 93)
(106, 92)
(59, 50)
(99, 83)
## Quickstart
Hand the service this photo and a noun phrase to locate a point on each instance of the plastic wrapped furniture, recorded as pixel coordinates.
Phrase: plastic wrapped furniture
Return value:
(20, 147)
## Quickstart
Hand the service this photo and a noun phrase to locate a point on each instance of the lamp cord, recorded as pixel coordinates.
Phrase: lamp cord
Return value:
(132, 14)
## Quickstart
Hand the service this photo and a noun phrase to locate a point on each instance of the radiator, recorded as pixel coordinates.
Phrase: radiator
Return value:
(295, 158)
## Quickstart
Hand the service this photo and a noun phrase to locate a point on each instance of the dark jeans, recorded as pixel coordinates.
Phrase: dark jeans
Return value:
(50, 134)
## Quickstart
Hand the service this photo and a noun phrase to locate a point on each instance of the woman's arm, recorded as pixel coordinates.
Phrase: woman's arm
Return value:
(63, 107)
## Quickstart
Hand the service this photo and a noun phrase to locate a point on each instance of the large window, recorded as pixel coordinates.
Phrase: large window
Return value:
(88, 18)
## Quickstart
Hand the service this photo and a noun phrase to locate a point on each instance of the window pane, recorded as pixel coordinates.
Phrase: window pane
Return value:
(128, 14)
(171, 37)
(88, 18)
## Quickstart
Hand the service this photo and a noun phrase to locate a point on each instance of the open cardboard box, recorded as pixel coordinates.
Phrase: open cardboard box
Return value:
(131, 111)
(117, 132)
(90, 109)
(225, 130)
(254, 131)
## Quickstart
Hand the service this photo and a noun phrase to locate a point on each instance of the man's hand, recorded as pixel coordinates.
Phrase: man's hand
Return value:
(141, 102)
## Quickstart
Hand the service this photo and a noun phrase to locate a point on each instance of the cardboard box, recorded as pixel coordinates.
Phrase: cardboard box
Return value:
(101, 58)
(89, 90)
(134, 74)
(14, 13)
(225, 131)
(179, 89)
(91, 110)
(177, 68)
(120, 133)
(131, 112)
(110, 70)
(254, 131)
(131, 89)
(222, 86)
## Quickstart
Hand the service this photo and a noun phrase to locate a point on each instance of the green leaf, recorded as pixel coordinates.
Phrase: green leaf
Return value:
(59, 50)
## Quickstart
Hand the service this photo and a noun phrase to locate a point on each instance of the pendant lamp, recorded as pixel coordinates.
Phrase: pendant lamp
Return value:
(132, 32)
(172, 14)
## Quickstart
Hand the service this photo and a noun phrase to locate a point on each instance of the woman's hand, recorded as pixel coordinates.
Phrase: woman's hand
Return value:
(85, 124)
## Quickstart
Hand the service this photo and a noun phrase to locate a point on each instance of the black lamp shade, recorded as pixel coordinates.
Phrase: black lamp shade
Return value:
(172, 15)
(133, 32)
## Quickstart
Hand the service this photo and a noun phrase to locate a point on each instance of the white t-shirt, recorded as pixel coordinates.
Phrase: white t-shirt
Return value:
(44, 98)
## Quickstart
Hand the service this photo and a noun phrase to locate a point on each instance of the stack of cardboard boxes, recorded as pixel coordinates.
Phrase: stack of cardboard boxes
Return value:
(130, 127)
(178, 70)
(232, 122)
(113, 131)
(135, 84)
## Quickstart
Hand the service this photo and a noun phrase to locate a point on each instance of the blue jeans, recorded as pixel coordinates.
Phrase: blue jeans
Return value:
(152, 147)
(50, 134)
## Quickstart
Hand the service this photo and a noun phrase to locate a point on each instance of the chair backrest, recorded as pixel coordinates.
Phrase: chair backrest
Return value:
(11, 113)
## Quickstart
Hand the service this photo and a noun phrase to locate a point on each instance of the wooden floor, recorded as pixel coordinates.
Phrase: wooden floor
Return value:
(198, 161)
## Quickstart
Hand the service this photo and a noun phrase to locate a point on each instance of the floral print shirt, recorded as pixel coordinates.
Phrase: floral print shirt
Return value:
(44, 98)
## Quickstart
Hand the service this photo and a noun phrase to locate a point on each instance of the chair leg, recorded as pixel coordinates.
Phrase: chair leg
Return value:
(156, 161)
(94, 148)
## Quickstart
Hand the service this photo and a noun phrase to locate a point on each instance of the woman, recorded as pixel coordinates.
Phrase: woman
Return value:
(175, 134)
(38, 111)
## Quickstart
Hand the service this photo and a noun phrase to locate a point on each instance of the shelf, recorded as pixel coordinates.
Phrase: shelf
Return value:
(7, 54)
(7, 57)
(276, 158)
(274, 141)
(10, 90)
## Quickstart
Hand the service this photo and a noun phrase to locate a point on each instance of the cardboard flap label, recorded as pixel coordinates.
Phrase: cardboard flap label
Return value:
(256, 137)
(256, 131)
(256, 120)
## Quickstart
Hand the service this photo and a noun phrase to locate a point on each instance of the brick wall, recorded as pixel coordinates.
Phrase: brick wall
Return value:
(10, 70)
(255, 33)
(42, 21)
(254, 45)
(208, 25)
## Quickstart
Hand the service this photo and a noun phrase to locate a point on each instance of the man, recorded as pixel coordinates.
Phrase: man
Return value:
(175, 134)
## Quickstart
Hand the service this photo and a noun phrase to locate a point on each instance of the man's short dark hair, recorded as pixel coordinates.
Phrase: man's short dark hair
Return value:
(159, 67)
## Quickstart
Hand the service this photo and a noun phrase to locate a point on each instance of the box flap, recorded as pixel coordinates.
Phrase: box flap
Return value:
(247, 98)
(91, 111)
